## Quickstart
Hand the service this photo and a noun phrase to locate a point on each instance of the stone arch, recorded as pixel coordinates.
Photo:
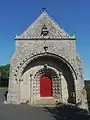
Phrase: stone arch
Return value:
(70, 77)
(56, 82)
(30, 58)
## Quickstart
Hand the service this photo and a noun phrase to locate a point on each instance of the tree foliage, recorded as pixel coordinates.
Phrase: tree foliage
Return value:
(87, 85)
(4, 75)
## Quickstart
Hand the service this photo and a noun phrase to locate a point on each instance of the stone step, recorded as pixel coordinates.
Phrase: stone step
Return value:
(45, 102)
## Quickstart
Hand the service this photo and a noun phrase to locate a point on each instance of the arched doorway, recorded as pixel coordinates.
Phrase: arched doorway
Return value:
(56, 65)
(45, 86)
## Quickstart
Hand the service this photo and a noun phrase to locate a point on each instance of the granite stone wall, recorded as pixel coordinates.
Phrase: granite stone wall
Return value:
(56, 44)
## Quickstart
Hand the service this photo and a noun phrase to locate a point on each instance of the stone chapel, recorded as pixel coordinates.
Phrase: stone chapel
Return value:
(45, 68)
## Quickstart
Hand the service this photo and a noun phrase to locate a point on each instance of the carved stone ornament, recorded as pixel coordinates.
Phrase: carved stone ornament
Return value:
(44, 31)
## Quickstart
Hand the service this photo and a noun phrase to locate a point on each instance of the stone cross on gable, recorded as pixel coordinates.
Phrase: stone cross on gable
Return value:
(44, 4)
(44, 9)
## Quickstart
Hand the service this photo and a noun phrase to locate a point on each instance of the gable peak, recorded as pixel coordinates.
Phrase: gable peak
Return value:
(44, 27)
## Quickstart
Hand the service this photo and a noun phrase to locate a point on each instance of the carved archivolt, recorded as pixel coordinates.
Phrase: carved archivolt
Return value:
(56, 82)
(25, 62)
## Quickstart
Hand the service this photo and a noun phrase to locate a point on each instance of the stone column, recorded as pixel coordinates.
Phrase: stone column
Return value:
(60, 87)
(31, 88)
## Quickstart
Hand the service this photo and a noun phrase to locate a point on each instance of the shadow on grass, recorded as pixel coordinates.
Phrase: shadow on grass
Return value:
(68, 112)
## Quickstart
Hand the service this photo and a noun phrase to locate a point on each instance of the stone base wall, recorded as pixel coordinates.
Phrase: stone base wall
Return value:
(28, 51)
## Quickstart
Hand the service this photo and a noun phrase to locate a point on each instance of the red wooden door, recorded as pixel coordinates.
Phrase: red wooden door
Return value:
(45, 86)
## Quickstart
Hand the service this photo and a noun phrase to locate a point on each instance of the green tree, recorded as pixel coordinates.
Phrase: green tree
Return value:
(87, 85)
(4, 75)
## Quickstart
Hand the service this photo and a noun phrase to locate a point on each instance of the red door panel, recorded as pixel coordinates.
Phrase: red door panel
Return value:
(45, 86)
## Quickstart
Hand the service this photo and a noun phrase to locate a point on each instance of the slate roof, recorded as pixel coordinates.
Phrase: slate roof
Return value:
(44, 27)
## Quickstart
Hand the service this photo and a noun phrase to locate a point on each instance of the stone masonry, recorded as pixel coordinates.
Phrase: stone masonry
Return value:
(45, 48)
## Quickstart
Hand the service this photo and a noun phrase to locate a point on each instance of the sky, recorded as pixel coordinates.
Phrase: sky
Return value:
(72, 15)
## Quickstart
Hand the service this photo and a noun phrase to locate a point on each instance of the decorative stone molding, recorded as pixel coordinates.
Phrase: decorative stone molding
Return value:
(56, 89)
(26, 62)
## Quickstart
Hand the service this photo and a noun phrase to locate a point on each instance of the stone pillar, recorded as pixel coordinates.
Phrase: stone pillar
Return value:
(64, 89)
(61, 100)
(31, 88)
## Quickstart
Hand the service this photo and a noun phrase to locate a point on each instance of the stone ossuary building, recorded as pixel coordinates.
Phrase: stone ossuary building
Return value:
(45, 67)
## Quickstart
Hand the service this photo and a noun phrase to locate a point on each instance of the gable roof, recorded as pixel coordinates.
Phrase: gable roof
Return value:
(44, 27)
